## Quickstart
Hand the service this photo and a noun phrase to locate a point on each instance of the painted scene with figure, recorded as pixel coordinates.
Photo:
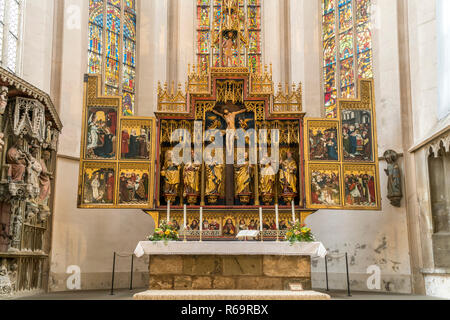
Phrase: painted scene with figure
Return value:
(323, 140)
(136, 139)
(325, 190)
(357, 139)
(134, 179)
(99, 184)
(360, 186)
(101, 133)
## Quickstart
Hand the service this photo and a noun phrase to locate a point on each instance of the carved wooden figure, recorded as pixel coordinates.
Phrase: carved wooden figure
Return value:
(393, 172)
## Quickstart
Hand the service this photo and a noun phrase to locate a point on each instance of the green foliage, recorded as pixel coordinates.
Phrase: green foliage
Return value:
(165, 232)
(299, 233)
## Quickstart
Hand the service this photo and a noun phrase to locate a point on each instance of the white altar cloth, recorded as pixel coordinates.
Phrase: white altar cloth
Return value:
(231, 248)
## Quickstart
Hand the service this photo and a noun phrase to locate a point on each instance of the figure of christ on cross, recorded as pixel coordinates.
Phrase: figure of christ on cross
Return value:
(230, 119)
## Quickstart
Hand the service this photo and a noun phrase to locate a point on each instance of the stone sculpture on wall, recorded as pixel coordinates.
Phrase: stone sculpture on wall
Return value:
(16, 159)
(3, 99)
(393, 172)
(29, 132)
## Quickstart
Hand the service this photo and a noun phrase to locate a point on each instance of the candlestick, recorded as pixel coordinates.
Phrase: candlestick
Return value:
(185, 216)
(201, 223)
(261, 223)
(293, 212)
(185, 222)
(277, 217)
(168, 212)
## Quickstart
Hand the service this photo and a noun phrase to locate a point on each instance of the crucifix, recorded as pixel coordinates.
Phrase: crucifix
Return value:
(230, 119)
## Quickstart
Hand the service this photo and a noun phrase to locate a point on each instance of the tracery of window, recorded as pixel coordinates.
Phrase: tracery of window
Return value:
(347, 49)
(208, 18)
(10, 33)
(112, 48)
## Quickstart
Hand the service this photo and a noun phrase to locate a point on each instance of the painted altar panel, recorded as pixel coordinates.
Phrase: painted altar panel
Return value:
(136, 139)
(133, 188)
(323, 190)
(361, 186)
(101, 133)
(225, 225)
(117, 163)
(353, 149)
(322, 141)
(98, 184)
(357, 137)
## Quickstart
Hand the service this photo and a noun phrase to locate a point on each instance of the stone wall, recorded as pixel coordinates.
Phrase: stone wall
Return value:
(228, 272)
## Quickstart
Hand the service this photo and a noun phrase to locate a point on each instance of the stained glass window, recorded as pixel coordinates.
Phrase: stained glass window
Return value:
(347, 49)
(10, 33)
(208, 18)
(112, 47)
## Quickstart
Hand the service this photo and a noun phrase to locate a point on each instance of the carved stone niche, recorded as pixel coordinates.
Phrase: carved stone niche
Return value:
(28, 117)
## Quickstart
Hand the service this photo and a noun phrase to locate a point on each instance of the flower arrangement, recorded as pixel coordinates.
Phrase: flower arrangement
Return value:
(165, 232)
(299, 233)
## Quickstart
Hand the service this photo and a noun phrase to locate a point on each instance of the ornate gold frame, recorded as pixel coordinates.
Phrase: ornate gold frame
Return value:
(94, 98)
(364, 101)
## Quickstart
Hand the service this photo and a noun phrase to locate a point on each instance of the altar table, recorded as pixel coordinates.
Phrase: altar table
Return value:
(229, 265)
(235, 248)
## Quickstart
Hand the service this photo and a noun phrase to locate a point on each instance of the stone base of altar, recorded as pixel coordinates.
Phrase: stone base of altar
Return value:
(210, 272)
(221, 295)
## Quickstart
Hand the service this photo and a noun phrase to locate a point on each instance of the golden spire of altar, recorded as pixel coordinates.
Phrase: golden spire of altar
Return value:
(232, 34)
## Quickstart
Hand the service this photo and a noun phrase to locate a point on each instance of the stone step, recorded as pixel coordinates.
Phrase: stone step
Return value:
(230, 295)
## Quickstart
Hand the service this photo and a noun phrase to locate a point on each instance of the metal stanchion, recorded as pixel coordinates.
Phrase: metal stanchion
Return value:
(132, 267)
(348, 275)
(326, 271)
(113, 273)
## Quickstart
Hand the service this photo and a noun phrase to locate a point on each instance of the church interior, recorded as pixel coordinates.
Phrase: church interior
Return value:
(278, 146)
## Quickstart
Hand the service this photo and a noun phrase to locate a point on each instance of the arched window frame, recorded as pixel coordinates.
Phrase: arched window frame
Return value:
(11, 29)
(117, 63)
(339, 58)
(207, 55)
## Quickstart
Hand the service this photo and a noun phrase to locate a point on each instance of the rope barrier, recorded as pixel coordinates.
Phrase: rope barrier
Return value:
(122, 255)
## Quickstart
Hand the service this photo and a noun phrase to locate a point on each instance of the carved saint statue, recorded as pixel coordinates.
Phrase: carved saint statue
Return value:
(48, 134)
(3, 99)
(45, 182)
(16, 159)
(228, 49)
(171, 174)
(2, 143)
(34, 173)
(230, 8)
(191, 178)
(267, 179)
(393, 172)
(288, 174)
(214, 176)
(242, 177)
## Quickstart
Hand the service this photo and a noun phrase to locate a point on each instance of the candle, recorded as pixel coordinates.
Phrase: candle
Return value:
(168, 212)
(201, 219)
(260, 220)
(293, 212)
(277, 217)
(185, 217)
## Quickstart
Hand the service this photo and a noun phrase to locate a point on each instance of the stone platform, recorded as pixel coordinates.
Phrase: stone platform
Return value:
(220, 295)
(212, 272)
